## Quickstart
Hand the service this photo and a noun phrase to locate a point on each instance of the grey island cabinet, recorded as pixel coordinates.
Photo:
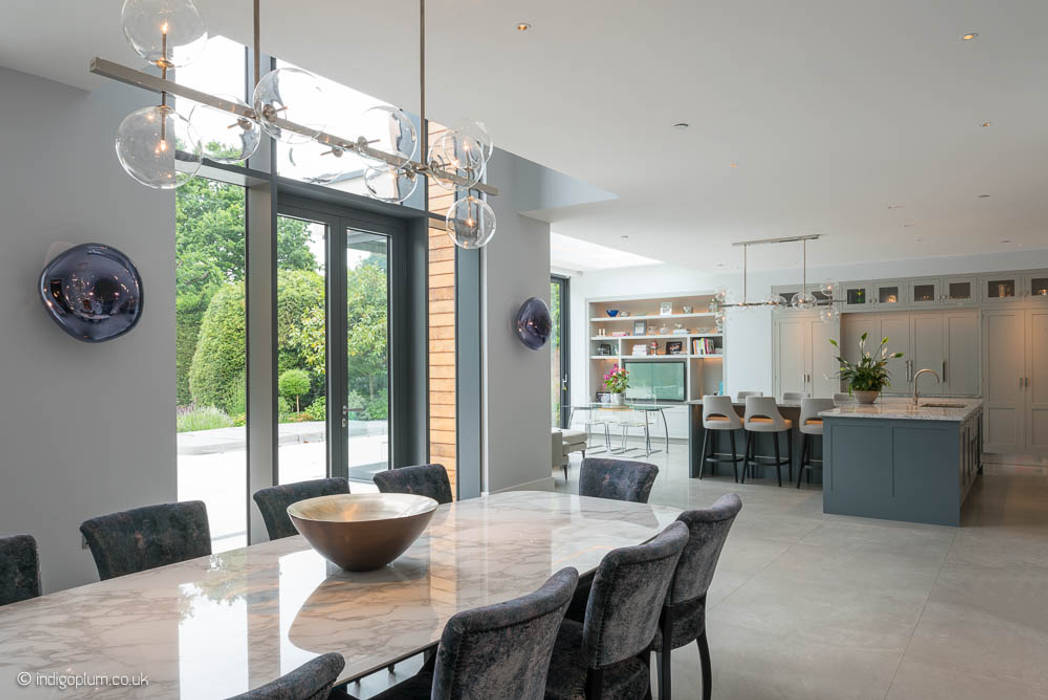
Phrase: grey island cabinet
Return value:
(898, 461)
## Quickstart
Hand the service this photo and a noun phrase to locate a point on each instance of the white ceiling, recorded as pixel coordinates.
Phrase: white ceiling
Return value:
(833, 111)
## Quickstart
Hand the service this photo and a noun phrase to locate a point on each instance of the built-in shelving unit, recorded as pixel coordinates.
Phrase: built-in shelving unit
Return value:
(613, 339)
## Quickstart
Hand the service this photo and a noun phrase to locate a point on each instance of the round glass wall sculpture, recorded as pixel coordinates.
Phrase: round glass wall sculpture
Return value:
(93, 292)
(534, 323)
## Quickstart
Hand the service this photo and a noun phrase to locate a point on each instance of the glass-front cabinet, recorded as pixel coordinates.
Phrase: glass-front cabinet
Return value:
(1001, 288)
(856, 295)
(959, 290)
(888, 293)
(925, 292)
(1036, 285)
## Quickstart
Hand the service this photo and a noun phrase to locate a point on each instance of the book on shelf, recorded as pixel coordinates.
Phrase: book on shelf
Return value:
(703, 346)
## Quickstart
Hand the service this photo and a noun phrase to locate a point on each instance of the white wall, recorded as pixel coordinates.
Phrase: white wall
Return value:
(748, 334)
(85, 429)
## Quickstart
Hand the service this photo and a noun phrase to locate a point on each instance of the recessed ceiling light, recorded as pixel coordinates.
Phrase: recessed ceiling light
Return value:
(985, 124)
(523, 26)
(907, 225)
(896, 206)
(733, 164)
(681, 125)
(720, 265)
(1006, 240)
(984, 196)
(969, 36)
(625, 235)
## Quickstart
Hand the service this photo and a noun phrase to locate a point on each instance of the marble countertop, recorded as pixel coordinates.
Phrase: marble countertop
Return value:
(903, 409)
(216, 626)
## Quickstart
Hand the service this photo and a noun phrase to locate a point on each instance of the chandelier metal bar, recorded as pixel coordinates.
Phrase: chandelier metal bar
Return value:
(782, 239)
(130, 76)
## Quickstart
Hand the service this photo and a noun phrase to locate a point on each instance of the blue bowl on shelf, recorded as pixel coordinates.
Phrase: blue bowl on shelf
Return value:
(612, 312)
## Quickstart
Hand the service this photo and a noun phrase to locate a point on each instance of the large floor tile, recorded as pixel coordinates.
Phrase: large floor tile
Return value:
(920, 681)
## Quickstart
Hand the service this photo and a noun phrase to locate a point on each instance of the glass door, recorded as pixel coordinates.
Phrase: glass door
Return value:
(559, 346)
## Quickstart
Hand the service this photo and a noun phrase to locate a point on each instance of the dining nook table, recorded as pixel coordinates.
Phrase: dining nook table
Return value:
(219, 625)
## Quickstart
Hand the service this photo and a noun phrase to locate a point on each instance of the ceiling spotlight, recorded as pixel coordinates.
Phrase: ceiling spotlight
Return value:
(625, 235)
(984, 196)
(907, 225)
(969, 36)
(733, 164)
(681, 125)
(523, 26)
(1006, 240)
(985, 124)
(896, 206)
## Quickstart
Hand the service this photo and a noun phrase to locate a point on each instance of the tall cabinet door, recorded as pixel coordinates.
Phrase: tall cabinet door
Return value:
(928, 351)
(824, 368)
(896, 328)
(792, 349)
(962, 353)
(1037, 378)
(1004, 394)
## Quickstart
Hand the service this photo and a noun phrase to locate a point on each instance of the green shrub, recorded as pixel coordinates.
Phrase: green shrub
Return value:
(218, 363)
(202, 418)
(292, 385)
(378, 407)
(318, 409)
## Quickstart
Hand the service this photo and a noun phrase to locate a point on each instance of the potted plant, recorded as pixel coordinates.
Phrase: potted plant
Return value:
(616, 381)
(867, 377)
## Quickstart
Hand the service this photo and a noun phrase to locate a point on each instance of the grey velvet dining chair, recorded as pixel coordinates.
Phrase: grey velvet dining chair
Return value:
(273, 501)
(620, 479)
(144, 538)
(683, 618)
(310, 681)
(607, 654)
(423, 480)
(497, 651)
(19, 569)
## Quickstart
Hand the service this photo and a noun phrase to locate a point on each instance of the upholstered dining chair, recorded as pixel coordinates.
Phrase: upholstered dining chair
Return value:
(273, 501)
(144, 538)
(684, 614)
(607, 654)
(19, 569)
(620, 479)
(310, 681)
(497, 651)
(424, 480)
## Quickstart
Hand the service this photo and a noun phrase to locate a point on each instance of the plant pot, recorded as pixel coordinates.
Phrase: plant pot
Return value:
(866, 397)
(618, 399)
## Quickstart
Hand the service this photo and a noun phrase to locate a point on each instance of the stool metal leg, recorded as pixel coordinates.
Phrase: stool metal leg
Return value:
(734, 457)
(789, 453)
(804, 458)
(778, 460)
(702, 456)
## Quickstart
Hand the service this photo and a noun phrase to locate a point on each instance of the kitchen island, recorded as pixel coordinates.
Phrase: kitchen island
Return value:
(899, 461)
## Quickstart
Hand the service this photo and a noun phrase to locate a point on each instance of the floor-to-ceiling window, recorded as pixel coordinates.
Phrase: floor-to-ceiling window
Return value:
(559, 347)
(210, 354)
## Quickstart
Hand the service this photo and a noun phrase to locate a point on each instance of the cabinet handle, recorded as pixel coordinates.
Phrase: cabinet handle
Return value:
(1027, 382)
(1020, 382)
(944, 371)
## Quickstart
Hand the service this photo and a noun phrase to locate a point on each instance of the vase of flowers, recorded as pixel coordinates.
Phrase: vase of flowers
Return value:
(616, 381)
(867, 377)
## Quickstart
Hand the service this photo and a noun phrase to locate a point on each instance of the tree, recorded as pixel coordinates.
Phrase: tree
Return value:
(293, 384)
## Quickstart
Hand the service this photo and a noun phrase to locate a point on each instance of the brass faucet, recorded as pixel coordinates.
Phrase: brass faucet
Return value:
(916, 376)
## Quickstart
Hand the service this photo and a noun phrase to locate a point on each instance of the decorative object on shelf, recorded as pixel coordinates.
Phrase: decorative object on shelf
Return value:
(666, 308)
(674, 347)
(640, 328)
(679, 329)
(616, 381)
(534, 323)
(653, 348)
(602, 331)
(604, 349)
(801, 301)
(612, 312)
(603, 397)
(867, 377)
(161, 149)
(687, 308)
(619, 334)
(93, 292)
(664, 330)
(624, 314)
(640, 350)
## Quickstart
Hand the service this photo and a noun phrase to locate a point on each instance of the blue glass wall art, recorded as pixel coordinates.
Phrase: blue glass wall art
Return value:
(534, 323)
(93, 292)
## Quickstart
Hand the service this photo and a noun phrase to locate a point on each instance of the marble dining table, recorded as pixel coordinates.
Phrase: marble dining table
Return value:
(218, 625)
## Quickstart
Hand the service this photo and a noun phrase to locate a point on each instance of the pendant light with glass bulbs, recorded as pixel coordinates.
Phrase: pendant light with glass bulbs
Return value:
(825, 303)
(161, 149)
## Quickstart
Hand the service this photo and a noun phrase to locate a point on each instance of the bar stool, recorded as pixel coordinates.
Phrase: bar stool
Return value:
(718, 413)
(743, 394)
(762, 416)
(810, 424)
(794, 395)
(838, 399)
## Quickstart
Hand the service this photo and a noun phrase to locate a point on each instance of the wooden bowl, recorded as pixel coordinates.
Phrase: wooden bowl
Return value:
(362, 531)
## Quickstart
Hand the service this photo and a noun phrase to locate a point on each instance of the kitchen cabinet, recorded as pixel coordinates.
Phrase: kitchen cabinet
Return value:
(1004, 369)
(896, 328)
(1035, 384)
(856, 296)
(888, 293)
(1003, 288)
(959, 291)
(924, 293)
(804, 360)
(927, 350)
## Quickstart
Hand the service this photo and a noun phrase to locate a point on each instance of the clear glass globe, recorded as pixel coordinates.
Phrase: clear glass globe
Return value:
(773, 300)
(803, 301)
(225, 137)
(318, 163)
(718, 321)
(458, 154)
(829, 288)
(471, 222)
(478, 131)
(294, 95)
(389, 184)
(829, 313)
(391, 130)
(164, 32)
(158, 147)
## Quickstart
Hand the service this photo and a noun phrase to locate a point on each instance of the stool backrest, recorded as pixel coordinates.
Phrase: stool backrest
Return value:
(810, 409)
(764, 407)
(838, 399)
(794, 395)
(744, 394)
(716, 406)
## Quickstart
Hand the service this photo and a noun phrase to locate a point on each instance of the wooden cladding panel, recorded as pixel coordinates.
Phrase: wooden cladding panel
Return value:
(442, 413)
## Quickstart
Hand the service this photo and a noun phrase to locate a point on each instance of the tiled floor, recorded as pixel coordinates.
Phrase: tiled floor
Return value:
(807, 605)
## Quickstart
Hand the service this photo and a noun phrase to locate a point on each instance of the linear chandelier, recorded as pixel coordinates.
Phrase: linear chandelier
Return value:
(803, 300)
(161, 149)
